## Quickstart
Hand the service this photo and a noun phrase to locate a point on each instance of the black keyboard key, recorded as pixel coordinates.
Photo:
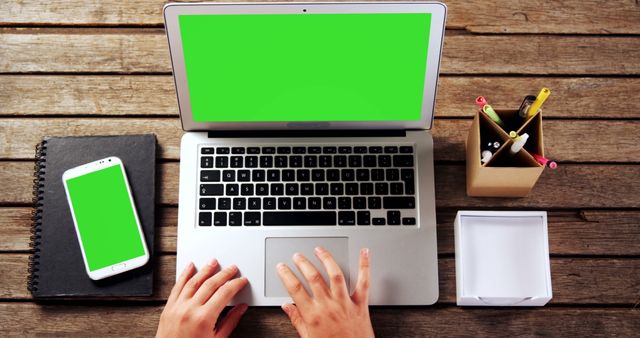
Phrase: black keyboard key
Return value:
(268, 150)
(204, 219)
(344, 202)
(355, 161)
(364, 218)
(288, 175)
(409, 188)
(222, 151)
(262, 189)
(311, 161)
(369, 161)
(396, 188)
(362, 174)
(273, 175)
(224, 203)
(266, 161)
(284, 150)
(348, 174)
(210, 175)
(346, 217)
(317, 175)
(360, 150)
(403, 160)
(306, 189)
(211, 189)
(351, 189)
(207, 204)
(366, 188)
(251, 161)
(303, 175)
(277, 189)
(359, 203)
(393, 174)
(228, 176)
(281, 162)
(337, 189)
(295, 161)
(315, 203)
(374, 202)
(399, 202)
(333, 175)
(384, 161)
(254, 203)
(206, 162)
(232, 190)
(220, 219)
(284, 203)
(235, 218)
(299, 203)
(406, 149)
(329, 150)
(237, 150)
(408, 221)
(378, 221)
(375, 150)
(406, 175)
(292, 189)
(390, 149)
(329, 202)
(299, 150)
(253, 150)
(269, 203)
(207, 150)
(393, 217)
(239, 203)
(325, 161)
(339, 161)
(314, 150)
(322, 189)
(258, 175)
(251, 218)
(222, 162)
(382, 188)
(377, 174)
(246, 189)
(244, 176)
(344, 150)
(299, 218)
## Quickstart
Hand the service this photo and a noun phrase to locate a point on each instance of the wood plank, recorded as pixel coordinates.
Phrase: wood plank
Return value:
(140, 51)
(574, 280)
(569, 187)
(574, 141)
(588, 232)
(566, 16)
(150, 95)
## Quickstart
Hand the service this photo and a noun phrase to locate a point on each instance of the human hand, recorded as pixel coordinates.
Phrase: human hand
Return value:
(196, 301)
(330, 312)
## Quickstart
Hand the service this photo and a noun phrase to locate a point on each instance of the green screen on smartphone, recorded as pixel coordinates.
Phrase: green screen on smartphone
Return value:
(105, 217)
(305, 67)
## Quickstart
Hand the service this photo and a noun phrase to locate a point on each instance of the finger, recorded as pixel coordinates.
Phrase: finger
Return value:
(336, 276)
(194, 283)
(361, 293)
(295, 318)
(231, 320)
(292, 284)
(223, 296)
(213, 283)
(312, 275)
(186, 274)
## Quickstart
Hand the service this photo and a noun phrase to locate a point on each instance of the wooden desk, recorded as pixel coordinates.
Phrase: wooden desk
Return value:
(80, 68)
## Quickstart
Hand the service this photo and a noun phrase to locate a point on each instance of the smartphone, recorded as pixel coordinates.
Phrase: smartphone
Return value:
(105, 218)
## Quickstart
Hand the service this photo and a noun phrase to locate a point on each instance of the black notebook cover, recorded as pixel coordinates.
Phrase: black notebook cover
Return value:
(56, 265)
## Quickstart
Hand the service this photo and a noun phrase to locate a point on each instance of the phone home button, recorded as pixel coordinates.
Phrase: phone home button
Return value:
(118, 267)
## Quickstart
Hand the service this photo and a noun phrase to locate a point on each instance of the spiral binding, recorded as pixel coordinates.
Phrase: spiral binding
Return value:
(36, 216)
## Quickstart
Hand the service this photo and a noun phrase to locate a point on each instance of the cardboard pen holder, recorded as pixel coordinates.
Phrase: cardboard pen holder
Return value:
(504, 175)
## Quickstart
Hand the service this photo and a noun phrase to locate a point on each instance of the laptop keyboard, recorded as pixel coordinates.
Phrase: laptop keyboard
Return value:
(307, 186)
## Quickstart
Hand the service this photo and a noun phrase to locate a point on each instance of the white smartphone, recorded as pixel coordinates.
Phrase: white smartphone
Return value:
(105, 218)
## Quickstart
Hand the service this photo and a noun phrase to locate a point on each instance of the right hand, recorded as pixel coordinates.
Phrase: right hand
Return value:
(330, 311)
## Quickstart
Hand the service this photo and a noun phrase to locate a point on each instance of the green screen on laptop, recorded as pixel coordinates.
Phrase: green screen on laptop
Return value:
(305, 67)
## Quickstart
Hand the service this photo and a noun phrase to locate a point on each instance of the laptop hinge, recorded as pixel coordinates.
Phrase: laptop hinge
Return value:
(307, 133)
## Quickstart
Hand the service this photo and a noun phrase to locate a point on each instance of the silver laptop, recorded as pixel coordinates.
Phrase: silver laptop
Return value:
(308, 124)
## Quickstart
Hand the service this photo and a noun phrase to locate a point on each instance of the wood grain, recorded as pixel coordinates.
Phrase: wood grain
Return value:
(140, 51)
(574, 280)
(566, 16)
(149, 95)
(569, 187)
(588, 232)
(565, 141)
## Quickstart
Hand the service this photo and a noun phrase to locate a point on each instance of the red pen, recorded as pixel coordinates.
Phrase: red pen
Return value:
(545, 161)
(481, 101)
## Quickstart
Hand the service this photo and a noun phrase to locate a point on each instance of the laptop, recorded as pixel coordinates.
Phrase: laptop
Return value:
(308, 124)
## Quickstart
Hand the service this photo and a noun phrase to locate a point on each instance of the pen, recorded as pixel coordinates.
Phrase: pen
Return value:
(545, 161)
(542, 96)
(493, 115)
(518, 144)
(486, 156)
(513, 134)
(524, 106)
(481, 101)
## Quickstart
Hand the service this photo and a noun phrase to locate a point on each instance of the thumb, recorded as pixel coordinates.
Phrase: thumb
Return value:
(296, 319)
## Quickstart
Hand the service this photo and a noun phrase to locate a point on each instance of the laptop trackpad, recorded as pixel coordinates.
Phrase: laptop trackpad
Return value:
(281, 249)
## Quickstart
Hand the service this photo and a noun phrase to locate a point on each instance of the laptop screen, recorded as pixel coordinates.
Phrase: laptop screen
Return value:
(305, 67)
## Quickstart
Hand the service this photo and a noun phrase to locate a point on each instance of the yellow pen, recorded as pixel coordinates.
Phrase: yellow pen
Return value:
(542, 96)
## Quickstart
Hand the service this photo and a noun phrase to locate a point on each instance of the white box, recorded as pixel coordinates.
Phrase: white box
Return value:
(502, 258)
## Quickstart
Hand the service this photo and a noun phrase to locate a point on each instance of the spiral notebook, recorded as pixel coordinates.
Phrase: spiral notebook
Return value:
(56, 268)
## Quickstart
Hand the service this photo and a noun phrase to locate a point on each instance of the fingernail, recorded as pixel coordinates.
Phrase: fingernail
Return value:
(280, 266)
(232, 268)
(213, 262)
(243, 308)
(285, 307)
(189, 266)
(365, 252)
(319, 249)
(297, 255)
